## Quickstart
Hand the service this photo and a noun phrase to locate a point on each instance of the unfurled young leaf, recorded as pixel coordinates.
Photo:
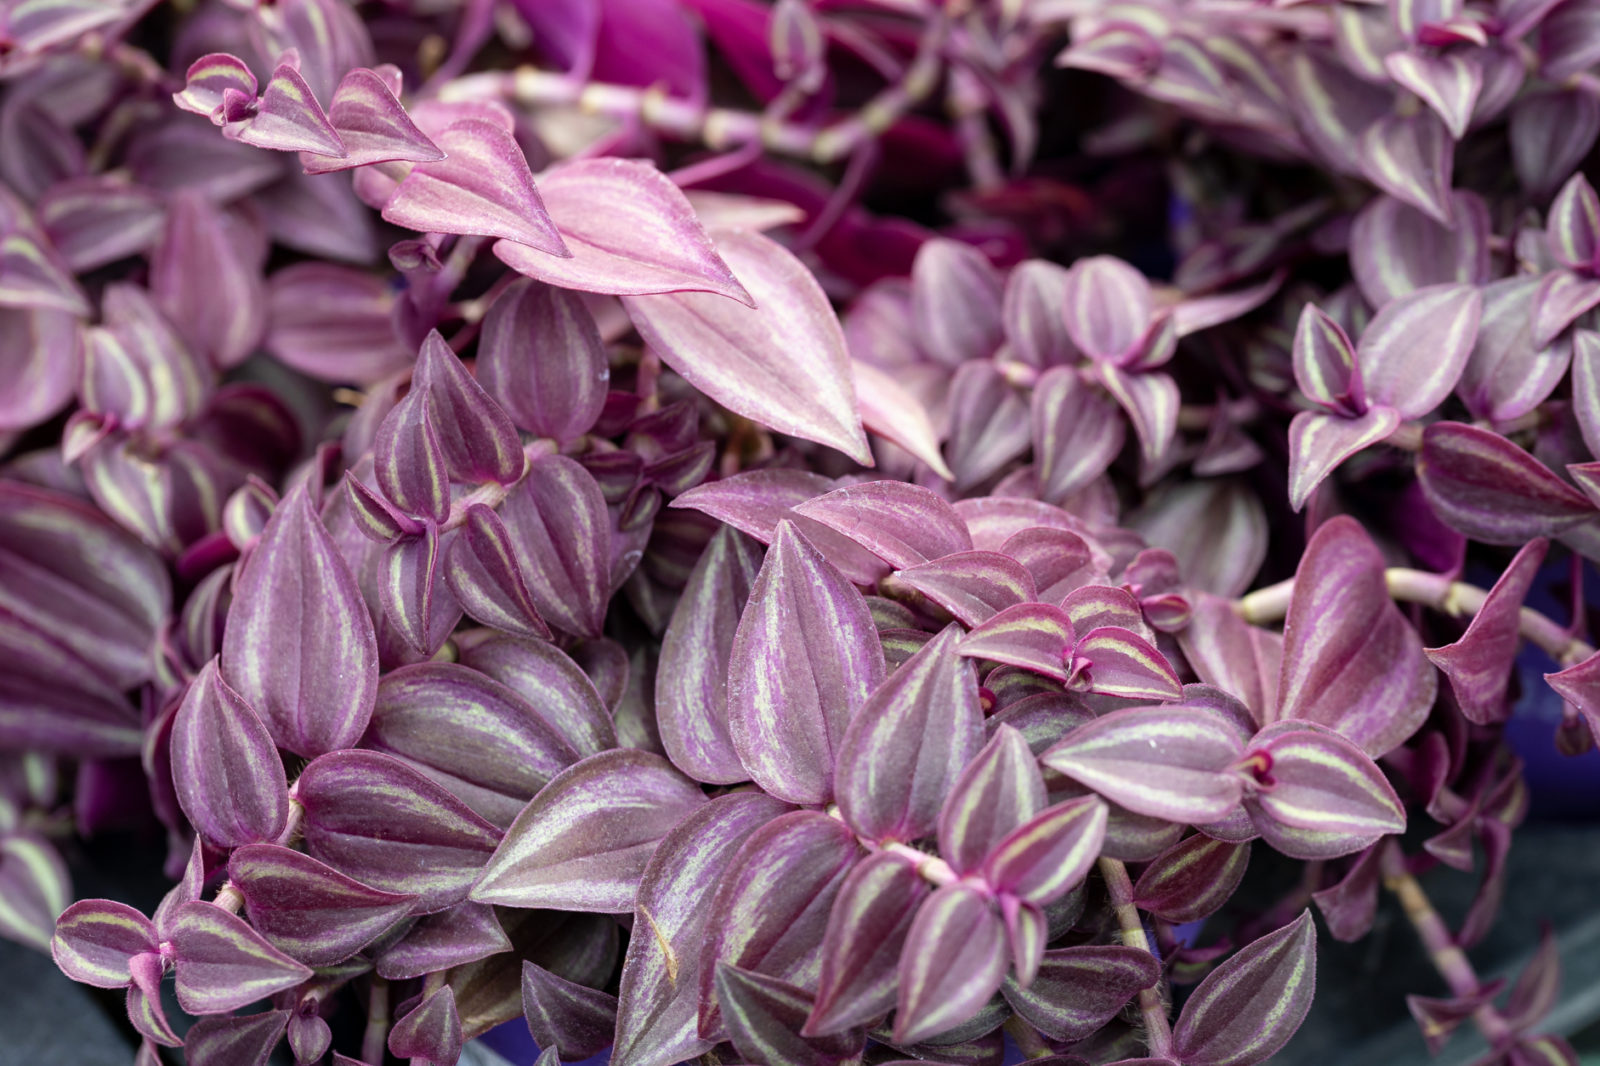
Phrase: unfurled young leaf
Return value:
(1165, 762)
(1479, 664)
(1351, 661)
(764, 1017)
(574, 1019)
(862, 944)
(582, 843)
(789, 701)
(782, 363)
(954, 960)
(309, 910)
(999, 790)
(431, 1031)
(903, 752)
(1325, 365)
(904, 525)
(222, 964)
(208, 78)
(227, 773)
(1248, 1008)
(1079, 989)
(1192, 879)
(287, 118)
(630, 231)
(300, 647)
(541, 357)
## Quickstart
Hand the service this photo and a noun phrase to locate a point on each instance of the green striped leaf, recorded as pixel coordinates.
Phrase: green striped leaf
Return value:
(95, 939)
(221, 964)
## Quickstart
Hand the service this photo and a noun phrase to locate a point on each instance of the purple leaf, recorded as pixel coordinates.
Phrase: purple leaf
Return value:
(558, 523)
(310, 1036)
(630, 230)
(1413, 351)
(1107, 308)
(303, 654)
(894, 413)
(222, 964)
(136, 367)
(227, 773)
(789, 701)
(1561, 298)
(1325, 363)
(40, 353)
(773, 902)
(1319, 442)
(542, 358)
(1396, 249)
(862, 944)
(755, 501)
(486, 576)
(1059, 560)
(95, 940)
(902, 524)
(973, 586)
(999, 790)
(208, 77)
(1239, 658)
(1480, 483)
(483, 187)
(658, 999)
(490, 747)
(764, 1017)
(207, 283)
(309, 910)
(1031, 312)
(1440, 1018)
(373, 127)
(1166, 762)
(408, 575)
(1351, 661)
(1551, 133)
(373, 818)
(1448, 82)
(431, 1031)
(556, 686)
(988, 423)
(1034, 636)
(1579, 685)
(1050, 854)
(955, 302)
(782, 362)
(583, 842)
(1479, 664)
(1573, 229)
(1506, 376)
(477, 438)
(1078, 989)
(905, 749)
(333, 323)
(234, 1041)
(1410, 158)
(465, 933)
(1538, 985)
(1217, 529)
(1151, 401)
(1077, 432)
(36, 887)
(1320, 782)
(1248, 1008)
(574, 1019)
(287, 118)
(954, 960)
(1116, 662)
(1348, 906)
(1192, 879)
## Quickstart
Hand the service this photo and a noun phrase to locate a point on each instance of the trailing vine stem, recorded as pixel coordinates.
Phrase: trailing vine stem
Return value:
(1441, 592)
(1152, 1007)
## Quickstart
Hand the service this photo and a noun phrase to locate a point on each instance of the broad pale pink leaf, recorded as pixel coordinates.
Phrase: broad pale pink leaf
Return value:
(894, 413)
(583, 842)
(542, 358)
(692, 676)
(308, 910)
(482, 187)
(1117, 662)
(40, 353)
(1078, 989)
(1166, 762)
(1217, 529)
(658, 1001)
(764, 1017)
(1050, 854)
(478, 738)
(902, 524)
(373, 818)
(299, 645)
(1561, 298)
(572, 1018)
(558, 522)
(1479, 664)
(221, 964)
(431, 1031)
(1410, 158)
(1506, 376)
(955, 302)
(790, 700)
(1192, 879)
(903, 752)
(226, 770)
(333, 323)
(1413, 351)
(998, 791)
(1107, 307)
(1319, 443)
(1077, 432)
(782, 362)
(1396, 249)
(288, 118)
(1248, 1008)
(1448, 82)
(1034, 636)
(954, 960)
(861, 948)
(973, 586)
(95, 939)
(755, 501)
(1483, 485)
(993, 520)
(772, 904)
(1351, 661)
(630, 230)
(373, 127)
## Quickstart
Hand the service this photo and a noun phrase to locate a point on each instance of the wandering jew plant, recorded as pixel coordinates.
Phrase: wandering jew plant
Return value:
(786, 533)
